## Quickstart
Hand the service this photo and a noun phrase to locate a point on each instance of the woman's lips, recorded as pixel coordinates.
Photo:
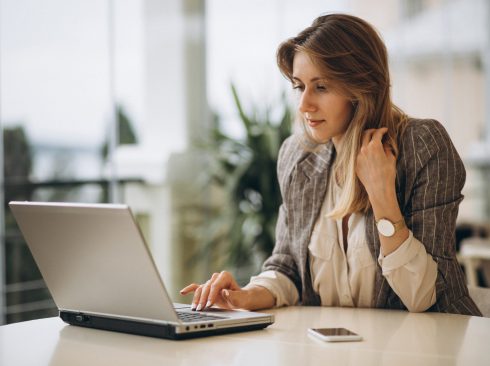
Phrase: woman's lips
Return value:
(315, 122)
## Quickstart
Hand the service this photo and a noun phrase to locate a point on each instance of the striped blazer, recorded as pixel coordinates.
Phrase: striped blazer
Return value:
(430, 177)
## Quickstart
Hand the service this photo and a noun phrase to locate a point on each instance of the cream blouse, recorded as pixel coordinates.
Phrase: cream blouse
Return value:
(347, 278)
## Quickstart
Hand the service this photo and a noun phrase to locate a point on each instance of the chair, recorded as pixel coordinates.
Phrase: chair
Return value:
(472, 252)
(481, 297)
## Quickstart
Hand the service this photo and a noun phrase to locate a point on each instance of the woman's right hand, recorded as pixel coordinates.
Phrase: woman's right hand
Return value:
(223, 291)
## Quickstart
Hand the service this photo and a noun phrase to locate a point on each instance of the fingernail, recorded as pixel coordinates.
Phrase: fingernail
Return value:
(226, 293)
(199, 307)
(208, 304)
(193, 306)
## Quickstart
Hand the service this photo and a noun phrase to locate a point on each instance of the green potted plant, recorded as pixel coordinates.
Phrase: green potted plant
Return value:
(241, 232)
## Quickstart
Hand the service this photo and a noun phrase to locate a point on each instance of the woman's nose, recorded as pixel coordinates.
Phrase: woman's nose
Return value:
(306, 103)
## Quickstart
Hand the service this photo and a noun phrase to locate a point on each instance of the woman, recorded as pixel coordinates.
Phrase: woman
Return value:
(370, 196)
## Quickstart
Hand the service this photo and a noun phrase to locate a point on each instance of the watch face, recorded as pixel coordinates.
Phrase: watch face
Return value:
(385, 227)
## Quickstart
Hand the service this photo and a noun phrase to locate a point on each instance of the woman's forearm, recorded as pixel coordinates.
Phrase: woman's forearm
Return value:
(387, 207)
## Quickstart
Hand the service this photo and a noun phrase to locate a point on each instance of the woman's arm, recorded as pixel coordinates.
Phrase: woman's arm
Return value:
(430, 178)
(376, 169)
(408, 268)
(283, 258)
(433, 180)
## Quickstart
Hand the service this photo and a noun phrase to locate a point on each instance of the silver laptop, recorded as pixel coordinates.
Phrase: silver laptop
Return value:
(101, 274)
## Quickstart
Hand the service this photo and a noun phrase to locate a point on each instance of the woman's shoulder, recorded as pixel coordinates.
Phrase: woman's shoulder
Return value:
(290, 152)
(297, 148)
(424, 137)
(297, 152)
(423, 128)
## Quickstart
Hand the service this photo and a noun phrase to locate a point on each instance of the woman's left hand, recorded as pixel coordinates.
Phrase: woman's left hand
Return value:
(376, 166)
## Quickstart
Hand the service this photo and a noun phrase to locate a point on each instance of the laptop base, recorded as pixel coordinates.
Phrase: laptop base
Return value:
(146, 329)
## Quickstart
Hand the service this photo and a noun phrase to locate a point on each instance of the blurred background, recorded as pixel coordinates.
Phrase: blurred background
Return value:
(177, 109)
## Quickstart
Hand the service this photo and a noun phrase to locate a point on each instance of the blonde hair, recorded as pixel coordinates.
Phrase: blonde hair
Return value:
(351, 54)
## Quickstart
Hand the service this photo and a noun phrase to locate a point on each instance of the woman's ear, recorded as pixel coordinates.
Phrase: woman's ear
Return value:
(354, 103)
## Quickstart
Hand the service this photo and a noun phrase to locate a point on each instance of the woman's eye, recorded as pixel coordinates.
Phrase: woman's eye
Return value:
(321, 87)
(298, 87)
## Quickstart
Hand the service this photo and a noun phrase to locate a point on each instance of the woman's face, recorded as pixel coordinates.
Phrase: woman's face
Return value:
(327, 114)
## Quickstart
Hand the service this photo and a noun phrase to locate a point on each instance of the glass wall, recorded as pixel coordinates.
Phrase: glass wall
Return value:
(68, 71)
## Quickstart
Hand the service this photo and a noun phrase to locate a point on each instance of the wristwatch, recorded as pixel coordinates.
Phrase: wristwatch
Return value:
(388, 228)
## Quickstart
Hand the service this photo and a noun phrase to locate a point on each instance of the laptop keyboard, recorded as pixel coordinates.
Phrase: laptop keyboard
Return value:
(195, 317)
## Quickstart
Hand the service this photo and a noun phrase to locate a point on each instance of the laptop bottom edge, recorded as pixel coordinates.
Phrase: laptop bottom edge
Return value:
(166, 331)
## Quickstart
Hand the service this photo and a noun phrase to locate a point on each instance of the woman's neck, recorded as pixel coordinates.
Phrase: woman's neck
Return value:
(337, 142)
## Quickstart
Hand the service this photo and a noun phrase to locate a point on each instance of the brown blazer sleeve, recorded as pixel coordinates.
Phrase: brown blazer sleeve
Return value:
(431, 176)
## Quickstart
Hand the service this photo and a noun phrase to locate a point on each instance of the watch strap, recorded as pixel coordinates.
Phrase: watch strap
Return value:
(399, 225)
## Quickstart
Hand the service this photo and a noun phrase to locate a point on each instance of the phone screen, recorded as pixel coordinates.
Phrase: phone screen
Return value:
(334, 332)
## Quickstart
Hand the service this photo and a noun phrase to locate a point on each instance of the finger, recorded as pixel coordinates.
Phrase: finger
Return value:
(389, 153)
(222, 281)
(203, 301)
(207, 290)
(366, 136)
(378, 134)
(387, 149)
(197, 296)
(216, 287)
(233, 284)
(189, 288)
